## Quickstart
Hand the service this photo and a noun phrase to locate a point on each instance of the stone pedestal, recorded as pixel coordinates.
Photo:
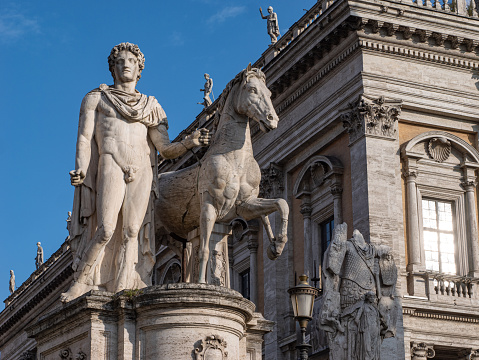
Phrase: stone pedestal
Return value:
(168, 322)
(218, 272)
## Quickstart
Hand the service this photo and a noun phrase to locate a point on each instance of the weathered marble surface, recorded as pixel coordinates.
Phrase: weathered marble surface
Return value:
(208, 88)
(120, 130)
(225, 184)
(358, 309)
(39, 257)
(176, 321)
(11, 284)
(272, 24)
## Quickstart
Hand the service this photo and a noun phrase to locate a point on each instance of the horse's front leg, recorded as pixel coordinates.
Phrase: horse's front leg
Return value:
(256, 207)
(207, 222)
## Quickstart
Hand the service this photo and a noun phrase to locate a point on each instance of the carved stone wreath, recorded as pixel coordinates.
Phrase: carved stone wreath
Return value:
(439, 149)
(212, 348)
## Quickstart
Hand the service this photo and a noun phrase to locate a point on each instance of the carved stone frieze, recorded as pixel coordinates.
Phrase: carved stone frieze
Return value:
(439, 149)
(369, 116)
(213, 347)
(272, 182)
(422, 351)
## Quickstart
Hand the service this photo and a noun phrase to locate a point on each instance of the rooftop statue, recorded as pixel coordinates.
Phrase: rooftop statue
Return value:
(39, 257)
(11, 284)
(358, 309)
(208, 88)
(120, 130)
(272, 24)
(225, 184)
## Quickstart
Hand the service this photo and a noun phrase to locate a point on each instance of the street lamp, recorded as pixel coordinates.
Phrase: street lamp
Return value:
(302, 298)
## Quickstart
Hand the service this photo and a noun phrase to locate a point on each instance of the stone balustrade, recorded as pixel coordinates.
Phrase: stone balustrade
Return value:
(459, 7)
(449, 285)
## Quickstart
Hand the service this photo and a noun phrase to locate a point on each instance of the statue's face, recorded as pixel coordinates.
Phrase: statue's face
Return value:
(126, 67)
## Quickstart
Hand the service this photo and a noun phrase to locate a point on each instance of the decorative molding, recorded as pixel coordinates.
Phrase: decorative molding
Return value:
(439, 149)
(272, 182)
(354, 23)
(35, 300)
(422, 351)
(213, 344)
(439, 316)
(369, 116)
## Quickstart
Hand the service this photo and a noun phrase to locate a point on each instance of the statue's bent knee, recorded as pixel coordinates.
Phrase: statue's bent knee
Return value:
(106, 233)
(131, 232)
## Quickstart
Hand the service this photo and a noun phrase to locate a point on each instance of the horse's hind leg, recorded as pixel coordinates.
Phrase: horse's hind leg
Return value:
(207, 222)
(256, 207)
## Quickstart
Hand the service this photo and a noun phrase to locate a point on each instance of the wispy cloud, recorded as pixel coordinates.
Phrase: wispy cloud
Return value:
(14, 25)
(226, 13)
(176, 39)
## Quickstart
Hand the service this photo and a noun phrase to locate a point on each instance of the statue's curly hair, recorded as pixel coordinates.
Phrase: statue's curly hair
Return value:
(134, 49)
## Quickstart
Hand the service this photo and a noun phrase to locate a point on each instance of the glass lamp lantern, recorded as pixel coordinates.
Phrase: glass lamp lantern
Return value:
(302, 299)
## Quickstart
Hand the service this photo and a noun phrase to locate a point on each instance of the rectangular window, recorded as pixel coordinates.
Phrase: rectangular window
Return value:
(245, 284)
(438, 233)
(326, 235)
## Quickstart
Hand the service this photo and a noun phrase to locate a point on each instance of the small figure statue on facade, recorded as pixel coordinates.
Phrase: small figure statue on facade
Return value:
(39, 257)
(69, 220)
(208, 88)
(359, 308)
(12, 282)
(272, 23)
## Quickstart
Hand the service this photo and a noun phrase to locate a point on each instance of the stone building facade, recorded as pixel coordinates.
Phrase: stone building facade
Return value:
(378, 105)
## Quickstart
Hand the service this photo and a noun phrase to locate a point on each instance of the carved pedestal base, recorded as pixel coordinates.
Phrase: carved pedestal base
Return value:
(169, 322)
(218, 265)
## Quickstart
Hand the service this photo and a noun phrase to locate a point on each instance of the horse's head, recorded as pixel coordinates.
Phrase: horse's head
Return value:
(254, 99)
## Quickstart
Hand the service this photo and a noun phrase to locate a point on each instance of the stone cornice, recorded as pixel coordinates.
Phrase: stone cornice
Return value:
(34, 301)
(440, 315)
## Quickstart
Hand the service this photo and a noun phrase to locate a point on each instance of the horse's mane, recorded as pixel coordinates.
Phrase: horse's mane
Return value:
(243, 74)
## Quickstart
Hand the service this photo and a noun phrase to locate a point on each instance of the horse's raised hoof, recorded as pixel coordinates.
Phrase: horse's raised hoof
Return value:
(271, 251)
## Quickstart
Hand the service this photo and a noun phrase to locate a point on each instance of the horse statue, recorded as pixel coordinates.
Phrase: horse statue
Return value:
(225, 183)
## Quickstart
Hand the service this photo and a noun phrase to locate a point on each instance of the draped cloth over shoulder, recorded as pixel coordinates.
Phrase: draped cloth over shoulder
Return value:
(134, 108)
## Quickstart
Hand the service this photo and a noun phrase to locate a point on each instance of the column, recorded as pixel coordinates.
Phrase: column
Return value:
(471, 219)
(253, 267)
(308, 241)
(412, 221)
(337, 191)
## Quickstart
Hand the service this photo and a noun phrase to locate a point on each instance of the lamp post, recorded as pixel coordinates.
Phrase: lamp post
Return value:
(302, 299)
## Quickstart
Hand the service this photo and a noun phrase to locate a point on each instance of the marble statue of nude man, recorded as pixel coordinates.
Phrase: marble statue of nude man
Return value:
(125, 129)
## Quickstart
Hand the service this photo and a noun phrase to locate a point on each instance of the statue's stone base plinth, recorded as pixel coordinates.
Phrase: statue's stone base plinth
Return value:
(169, 322)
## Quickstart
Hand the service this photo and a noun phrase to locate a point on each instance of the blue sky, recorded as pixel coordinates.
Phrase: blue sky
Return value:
(54, 52)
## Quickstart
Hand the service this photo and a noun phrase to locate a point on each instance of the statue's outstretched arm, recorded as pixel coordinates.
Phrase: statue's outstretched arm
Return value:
(168, 150)
(86, 128)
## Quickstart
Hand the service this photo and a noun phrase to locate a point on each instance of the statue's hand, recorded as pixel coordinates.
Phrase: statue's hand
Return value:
(200, 137)
(77, 177)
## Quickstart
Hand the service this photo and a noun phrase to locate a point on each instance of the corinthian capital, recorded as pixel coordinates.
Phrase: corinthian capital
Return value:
(371, 116)
(422, 351)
